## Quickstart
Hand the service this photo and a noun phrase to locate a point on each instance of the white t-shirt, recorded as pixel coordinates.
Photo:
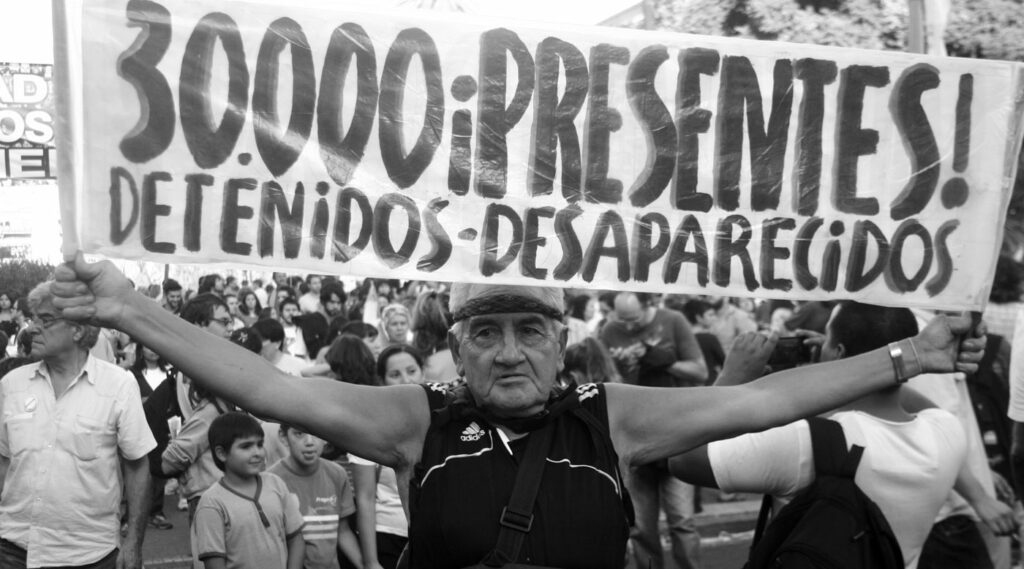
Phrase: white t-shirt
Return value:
(908, 469)
(949, 391)
(390, 514)
(291, 364)
(309, 303)
(154, 376)
(294, 343)
(1016, 411)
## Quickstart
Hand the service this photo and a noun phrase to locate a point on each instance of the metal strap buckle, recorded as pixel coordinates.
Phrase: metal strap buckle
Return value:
(516, 521)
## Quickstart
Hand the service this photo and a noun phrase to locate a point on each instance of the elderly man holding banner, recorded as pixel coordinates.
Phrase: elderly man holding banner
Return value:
(457, 452)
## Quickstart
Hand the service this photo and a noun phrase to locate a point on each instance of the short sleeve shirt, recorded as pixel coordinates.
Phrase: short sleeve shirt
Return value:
(908, 468)
(325, 499)
(62, 493)
(1016, 411)
(229, 525)
(390, 512)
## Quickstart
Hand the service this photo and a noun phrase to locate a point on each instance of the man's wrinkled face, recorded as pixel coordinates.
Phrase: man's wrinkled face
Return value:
(397, 328)
(510, 361)
(51, 334)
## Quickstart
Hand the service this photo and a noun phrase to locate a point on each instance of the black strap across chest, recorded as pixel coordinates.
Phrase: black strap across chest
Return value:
(517, 517)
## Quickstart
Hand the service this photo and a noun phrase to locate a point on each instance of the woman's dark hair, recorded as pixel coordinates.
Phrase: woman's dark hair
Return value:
(332, 288)
(578, 306)
(140, 362)
(337, 328)
(695, 308)
(431, 319)
(1006, 286)
(269, 329)
(248, 338)
(12, 363)
(243, 308)
(352, 361)
(359, 329)
(861, 328)
(386, 353)
(207, 282)
(24, 343)
(589, 362)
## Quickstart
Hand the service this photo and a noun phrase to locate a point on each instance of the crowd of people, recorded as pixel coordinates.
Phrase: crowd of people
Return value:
(266, 408)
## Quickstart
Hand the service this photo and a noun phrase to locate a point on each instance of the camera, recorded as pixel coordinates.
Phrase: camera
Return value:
(790, 352)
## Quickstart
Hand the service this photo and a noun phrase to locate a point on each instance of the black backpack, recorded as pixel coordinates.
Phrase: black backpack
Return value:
(832, 524)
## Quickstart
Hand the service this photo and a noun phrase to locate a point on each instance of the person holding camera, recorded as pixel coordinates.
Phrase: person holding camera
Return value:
(655, 347)
(913, 452)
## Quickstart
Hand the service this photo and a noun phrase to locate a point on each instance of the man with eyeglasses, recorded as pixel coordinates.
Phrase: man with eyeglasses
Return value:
(209, 313)
(71, 424)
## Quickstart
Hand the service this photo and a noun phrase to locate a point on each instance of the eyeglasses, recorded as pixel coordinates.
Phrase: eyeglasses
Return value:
(225, 322)
(46, 322)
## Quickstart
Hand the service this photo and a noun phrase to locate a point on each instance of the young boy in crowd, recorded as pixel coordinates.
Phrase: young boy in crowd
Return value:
(248, 519)
(325, 500)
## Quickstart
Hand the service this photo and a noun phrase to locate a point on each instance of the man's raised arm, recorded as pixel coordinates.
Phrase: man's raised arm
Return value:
(385, 425)
(650, 423)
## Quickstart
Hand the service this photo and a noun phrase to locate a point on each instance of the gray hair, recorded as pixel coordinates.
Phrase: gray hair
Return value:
(42, 294)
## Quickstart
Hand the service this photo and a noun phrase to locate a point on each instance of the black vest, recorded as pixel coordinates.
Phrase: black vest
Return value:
(465, 477)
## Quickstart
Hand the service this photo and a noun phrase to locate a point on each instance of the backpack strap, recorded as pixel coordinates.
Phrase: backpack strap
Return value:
(831, 458)
(762, 520)
(828, 443)
(517, 517)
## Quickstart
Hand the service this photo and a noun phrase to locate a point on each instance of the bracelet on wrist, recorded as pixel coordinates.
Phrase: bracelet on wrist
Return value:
(901, 365)
(898, 364)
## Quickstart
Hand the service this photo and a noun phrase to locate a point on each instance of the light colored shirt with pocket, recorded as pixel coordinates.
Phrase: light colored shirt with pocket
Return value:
(62, 495)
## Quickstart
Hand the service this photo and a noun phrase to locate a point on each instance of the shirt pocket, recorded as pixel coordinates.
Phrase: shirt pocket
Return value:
(84, 437)
(22, 434)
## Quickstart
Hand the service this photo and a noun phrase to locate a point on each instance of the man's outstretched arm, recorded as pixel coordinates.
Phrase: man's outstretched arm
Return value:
(650, 423)
(385, 425)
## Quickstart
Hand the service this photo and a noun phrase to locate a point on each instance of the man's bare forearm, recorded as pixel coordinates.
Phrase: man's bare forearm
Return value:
(137, 494)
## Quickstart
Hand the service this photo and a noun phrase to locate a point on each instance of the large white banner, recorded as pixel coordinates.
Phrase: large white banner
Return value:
(309, 136)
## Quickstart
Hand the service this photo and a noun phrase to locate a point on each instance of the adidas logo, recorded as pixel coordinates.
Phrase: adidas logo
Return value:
(472, 433)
